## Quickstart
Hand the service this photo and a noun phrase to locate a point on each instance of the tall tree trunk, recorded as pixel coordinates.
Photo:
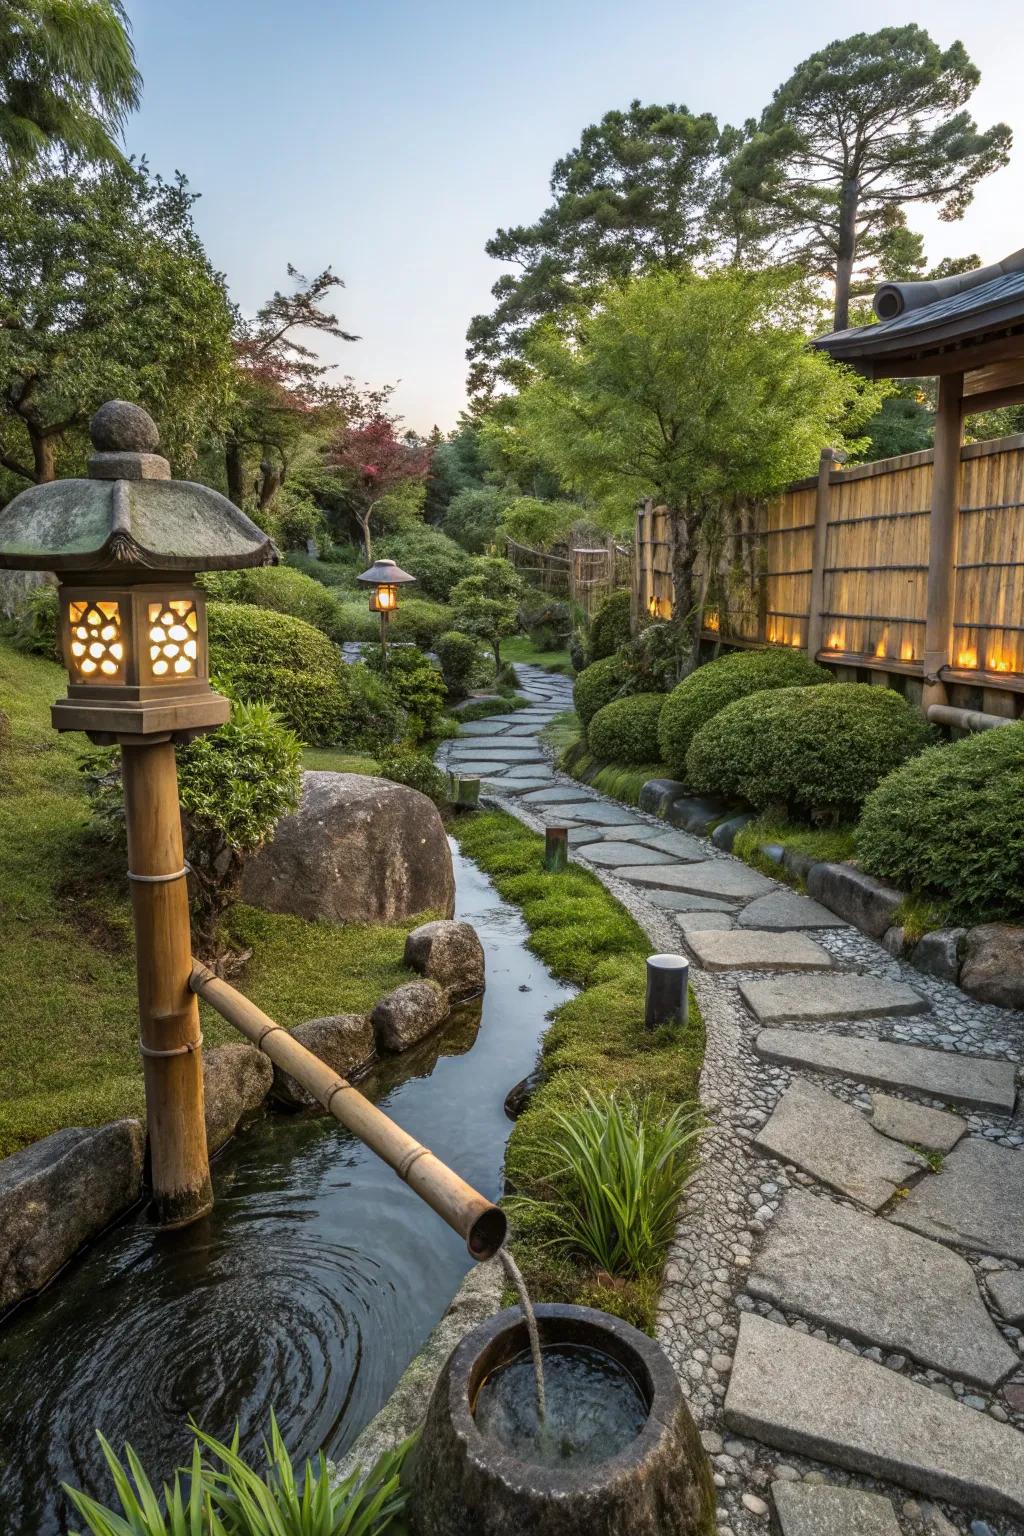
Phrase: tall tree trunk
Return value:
(271, 476)
(44, 455)
(234, 465)
(685, 534)
(849, 199)
(363, 519)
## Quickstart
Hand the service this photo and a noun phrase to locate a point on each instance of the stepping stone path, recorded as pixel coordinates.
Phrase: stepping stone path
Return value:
(834, 1142)
(901, 1271)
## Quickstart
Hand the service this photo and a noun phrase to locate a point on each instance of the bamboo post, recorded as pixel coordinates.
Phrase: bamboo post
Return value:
(464, 790)
(942, 535)
(170, 1040)
(481, 1223)
(815, 619)
(556, 849)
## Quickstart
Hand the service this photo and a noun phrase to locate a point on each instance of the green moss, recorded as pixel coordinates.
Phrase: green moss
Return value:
(825, 845)
(334, 760)
(562, 732)
(620, 781)
(596, 1041)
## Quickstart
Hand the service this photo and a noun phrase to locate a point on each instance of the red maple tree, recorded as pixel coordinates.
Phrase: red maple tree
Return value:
(378, 460)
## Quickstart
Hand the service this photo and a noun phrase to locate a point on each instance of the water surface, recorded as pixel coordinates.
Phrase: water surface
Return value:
(593, 1410)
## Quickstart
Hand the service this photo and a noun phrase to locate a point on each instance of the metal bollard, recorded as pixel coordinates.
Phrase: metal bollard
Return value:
(668, 986)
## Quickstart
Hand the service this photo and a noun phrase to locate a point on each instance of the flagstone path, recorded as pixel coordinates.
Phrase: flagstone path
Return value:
(846, 1313)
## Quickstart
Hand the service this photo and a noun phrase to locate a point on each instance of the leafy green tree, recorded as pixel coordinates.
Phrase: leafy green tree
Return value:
(474, 515)
(486, 603)
(67, 79)
(860, 130)
(695, 392)
(539, 524)
(105, 291)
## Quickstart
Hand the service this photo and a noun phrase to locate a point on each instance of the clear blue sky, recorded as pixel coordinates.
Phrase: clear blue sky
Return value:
(390, 138)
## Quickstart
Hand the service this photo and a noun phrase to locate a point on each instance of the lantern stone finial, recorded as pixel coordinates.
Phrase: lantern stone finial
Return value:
(125, 438)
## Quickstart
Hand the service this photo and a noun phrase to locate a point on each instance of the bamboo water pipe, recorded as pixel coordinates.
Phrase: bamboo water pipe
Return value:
(481, 1223)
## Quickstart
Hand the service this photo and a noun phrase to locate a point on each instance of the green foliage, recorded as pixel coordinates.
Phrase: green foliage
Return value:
(35, 626)
(435, 560)
(354, 621)
(296, 519)
(473, 517)
(419, 621)
(817, 751)
(823, 845)
(610, 626)
(656, 659)
(415, 685)
(404, 765)
(547, 621)
(625, 730)
(483, 709)
(949, 825)
(458, 655)
(279, 587)
(235, 784)
(332, 570)
(624, 1163)
(539, 524)
(486, 603)
(596, 686)
(708, 689)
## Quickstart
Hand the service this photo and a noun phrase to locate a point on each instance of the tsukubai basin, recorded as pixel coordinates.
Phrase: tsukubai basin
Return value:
(466, 1483)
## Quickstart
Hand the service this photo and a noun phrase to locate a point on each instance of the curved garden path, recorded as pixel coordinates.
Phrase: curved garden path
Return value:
(844, 1298)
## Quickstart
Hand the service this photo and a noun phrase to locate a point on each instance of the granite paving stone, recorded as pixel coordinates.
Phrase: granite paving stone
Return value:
(751, 949)
(877, 1284)
(469, 766)
(488, 727)
(975, 1201)
(560, 794)
(804, 1395)
(806, 1510)
(788, 909)
(680, 843)
(600, 812)
(688, 901)
(833, 1142)
(515, 786)
(1006, 1289)
(712, 877)
(935, 1129)
(794, 999)
(694, 923)
(975, 1082)
(631, 833)
(614, 855)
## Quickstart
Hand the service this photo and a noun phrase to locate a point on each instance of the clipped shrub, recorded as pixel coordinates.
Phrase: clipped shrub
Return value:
(280, 588)
(404, 765)
(473, 515)
(354, 621)
(950, 824)
(626, 730)
(609, 628)
(420, 621)
(547, 621)
(415, 685)
(435, 560)
(331, 570)
(815, 751)
(596, 686)
(657, 658)
(699, 697)
(458, 656)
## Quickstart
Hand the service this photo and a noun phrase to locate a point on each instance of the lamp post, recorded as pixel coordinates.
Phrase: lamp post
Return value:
(126, 545)
(385, 577)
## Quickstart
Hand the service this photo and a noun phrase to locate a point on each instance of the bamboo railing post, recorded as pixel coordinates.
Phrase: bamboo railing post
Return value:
(815, 617)
(942, 536)
(170, 1040)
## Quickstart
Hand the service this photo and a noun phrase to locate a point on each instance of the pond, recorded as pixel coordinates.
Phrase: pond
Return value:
(314, 1281)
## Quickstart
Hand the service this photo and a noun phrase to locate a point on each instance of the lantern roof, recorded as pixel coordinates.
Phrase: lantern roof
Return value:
(385, 573)
(128, 513)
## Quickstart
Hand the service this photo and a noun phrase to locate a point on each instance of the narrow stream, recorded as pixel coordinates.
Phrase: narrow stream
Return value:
(308, 1289)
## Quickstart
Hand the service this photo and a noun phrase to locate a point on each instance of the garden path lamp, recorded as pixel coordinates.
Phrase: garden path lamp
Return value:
(126, 545)
(385, 577)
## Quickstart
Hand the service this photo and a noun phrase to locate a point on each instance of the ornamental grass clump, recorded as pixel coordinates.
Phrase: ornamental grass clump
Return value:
(813, 752)
(626, 730)
(620, 1164)
(949, 825)
(708, 689)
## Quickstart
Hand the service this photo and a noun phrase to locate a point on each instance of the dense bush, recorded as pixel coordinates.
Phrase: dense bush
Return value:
(329, 571)
(950, 824)
(547, 621)
(435, 560)
(657, 658)
(699, 697)
(596, 686)
(609, 628)
(35, 627)
(415, 685)
(279, 587)
(473, 516)
(539, 524)
(295, 520)
(815, 751)
(626, 730)
(458, 655)
(354, 621)
(420, 621)
(404, 765)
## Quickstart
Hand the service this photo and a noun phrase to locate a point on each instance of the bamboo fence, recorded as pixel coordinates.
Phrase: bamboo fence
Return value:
(868, 525)
(584, 576)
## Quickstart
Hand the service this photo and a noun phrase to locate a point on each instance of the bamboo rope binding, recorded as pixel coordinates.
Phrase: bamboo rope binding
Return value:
(481, 1223)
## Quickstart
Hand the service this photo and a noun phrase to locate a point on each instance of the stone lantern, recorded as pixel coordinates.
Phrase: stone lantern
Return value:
(126, 545)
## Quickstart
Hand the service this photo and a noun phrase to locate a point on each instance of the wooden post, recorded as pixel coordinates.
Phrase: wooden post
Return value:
(168, 1012)
(942, 535)
(815, 618)
(556, 849)
(464, 791)
(384, 639)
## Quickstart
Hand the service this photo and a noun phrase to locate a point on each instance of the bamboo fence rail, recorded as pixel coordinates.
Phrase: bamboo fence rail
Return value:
(584, 576)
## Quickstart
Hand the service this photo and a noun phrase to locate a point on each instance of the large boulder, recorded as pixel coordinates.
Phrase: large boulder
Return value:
(57, 1194)
(450, 954)
(344, 1041)
(993, 968)
(236, 1080)
(357, 850)
(408, 1014)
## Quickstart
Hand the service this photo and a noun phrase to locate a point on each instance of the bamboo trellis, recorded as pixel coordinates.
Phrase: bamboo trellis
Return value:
(868, 526)
(585, 576)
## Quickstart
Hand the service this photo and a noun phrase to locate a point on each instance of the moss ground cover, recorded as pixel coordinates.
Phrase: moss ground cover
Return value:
(521, 648)
(596, 1043)
(827, 845)
(621, 781)
(68, 1028)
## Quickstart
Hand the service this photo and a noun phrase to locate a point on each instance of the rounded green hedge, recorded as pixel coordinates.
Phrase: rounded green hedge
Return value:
(279, 587)
(459, 658)
(596, 686)
(609, 627)
(950, 824)
(626, 730)
(816, 751)
(700, 696)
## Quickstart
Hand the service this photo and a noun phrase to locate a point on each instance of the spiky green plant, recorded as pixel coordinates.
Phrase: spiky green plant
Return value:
(620, 1165)
(142, 1513)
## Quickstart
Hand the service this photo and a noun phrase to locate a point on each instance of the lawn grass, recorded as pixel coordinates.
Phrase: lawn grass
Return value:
(597, 1042)
(69, 1028)
(522, 649)
(825, 845)
(334, 760)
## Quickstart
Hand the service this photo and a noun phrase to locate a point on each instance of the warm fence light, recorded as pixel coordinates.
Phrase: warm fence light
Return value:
(835, 641)
(712, 621)
(906, 651)
(997, 663)
(967, 659)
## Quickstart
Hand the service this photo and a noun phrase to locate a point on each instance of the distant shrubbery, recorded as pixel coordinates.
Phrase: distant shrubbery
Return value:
(435, 560)
(626, 730)
(278, 587)
(596, 686)
(458, 655)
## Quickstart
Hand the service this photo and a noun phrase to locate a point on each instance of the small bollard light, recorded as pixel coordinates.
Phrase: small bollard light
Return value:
(556, 849)
(668, 987)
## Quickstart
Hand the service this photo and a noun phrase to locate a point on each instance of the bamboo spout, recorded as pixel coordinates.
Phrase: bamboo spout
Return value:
(481, 1223)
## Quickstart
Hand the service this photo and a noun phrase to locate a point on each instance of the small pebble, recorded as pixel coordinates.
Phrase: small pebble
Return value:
(755, 1505)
